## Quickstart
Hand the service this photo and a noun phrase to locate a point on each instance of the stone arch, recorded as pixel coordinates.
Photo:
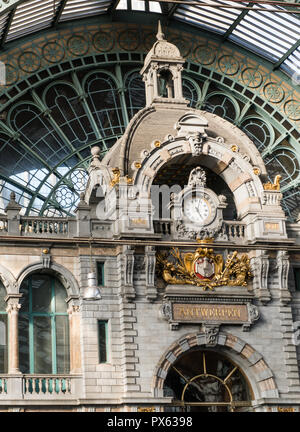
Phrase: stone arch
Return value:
(62, 273)
(251, 362)
(233, 167)
(8, 280)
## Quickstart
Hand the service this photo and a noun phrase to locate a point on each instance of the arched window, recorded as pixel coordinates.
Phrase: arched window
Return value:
(222, 106)
(3, 330)
(165, 83)
(135, 94)
(43, 326)
(104, 103)
(207, 381)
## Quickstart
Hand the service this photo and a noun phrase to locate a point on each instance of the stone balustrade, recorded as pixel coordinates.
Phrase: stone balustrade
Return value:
(234, 230)
(37, 387)
(44, 226)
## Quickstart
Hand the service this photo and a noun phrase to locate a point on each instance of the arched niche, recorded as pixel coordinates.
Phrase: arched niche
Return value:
(251, 365)
(232, 166)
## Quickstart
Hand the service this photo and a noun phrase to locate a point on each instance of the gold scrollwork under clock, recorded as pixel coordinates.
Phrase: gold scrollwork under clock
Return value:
(204, 268)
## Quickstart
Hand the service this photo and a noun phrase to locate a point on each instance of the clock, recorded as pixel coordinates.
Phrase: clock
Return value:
(197, 210)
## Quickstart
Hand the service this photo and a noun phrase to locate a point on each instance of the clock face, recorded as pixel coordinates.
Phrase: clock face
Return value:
(197, 210)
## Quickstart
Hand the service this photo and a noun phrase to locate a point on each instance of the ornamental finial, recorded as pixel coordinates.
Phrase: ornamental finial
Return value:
(160, 35)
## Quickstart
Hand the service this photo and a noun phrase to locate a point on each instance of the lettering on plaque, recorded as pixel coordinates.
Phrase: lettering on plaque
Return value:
(209, 312)
(272, 226)
(286, 409)
(138, 221)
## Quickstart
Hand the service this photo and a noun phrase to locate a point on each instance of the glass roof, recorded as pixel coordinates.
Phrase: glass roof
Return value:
(266, 29)
(48, 177)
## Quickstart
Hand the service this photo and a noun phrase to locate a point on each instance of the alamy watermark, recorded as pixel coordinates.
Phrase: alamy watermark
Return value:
(135, 201)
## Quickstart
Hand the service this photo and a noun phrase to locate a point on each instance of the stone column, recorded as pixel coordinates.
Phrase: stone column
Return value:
(12, 310)
(74, 326)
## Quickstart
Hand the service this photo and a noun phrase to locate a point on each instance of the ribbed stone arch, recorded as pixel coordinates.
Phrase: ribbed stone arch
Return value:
(62, 273)
(240, 177)
(8, 280)
(251, 362)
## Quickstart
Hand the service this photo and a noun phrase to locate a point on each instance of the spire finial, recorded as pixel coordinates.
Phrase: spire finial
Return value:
(160, 35)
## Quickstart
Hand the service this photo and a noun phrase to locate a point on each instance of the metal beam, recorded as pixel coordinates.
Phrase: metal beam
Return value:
(113, 6)
(59, 11)
(286, 55)
(7, 27)
(236, 23)
(172, 10)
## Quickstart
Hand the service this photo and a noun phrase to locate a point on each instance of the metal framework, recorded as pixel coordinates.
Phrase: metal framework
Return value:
(228, 399)
(47, 170)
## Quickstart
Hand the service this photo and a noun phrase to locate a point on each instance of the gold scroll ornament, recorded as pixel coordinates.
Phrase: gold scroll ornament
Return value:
(273, 186)
(181, 270)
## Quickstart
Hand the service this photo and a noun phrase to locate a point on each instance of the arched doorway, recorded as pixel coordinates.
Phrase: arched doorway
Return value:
(204, 380)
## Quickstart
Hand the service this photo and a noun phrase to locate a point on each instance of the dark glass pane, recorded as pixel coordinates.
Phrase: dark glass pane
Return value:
(41, 293)
(42, 345)
(24, 343)
(102, 341)
(100, 273)
(60, 297)
(3, 343)
(2, 297)
(62, 344)
(297, 278)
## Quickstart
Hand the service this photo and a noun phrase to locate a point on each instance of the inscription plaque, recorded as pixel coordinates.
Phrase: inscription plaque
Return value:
(231, 313)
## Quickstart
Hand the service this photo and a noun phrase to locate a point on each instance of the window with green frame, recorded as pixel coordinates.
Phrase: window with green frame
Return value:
(297, 278)
(103, 341)
(43, 326)
(100, 273)
(3, 331)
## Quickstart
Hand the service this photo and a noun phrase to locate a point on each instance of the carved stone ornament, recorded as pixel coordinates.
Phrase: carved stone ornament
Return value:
(197, 177)
(166, 311)
(203, 268)
(211, 334)
(187, 232)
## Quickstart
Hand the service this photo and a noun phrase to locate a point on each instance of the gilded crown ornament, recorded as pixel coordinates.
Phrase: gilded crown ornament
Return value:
(203, 268)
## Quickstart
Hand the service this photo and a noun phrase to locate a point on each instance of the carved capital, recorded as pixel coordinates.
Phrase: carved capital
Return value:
(260, 269)
(283, 266)
(128, 264)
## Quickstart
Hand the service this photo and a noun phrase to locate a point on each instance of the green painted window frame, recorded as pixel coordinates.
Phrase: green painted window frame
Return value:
(103, 340)
(31, 315)
(100, 273)
(297, 278)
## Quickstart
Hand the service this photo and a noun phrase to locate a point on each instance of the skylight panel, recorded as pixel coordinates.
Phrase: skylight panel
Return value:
(138, 5)
(122, 5)
(154, 7)
(292, 65)
(266, 33)
(31, 16)
(82, 8)
(215, 19)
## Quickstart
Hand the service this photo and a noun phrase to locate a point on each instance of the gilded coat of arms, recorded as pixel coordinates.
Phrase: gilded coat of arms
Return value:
(204, 268)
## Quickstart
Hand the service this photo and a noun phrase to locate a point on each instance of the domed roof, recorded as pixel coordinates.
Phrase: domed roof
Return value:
(158, 123)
